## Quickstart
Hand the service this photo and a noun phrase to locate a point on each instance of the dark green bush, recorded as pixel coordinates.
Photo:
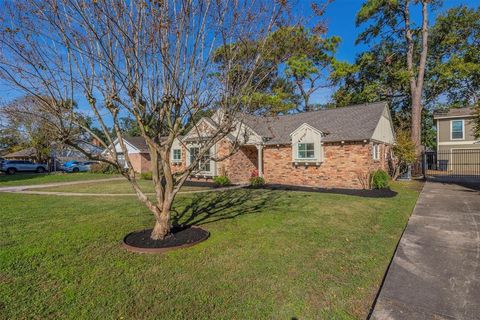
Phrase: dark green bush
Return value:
(103, 167)
(221, 181)
(380, 179)
(146, 175)
(257, 182)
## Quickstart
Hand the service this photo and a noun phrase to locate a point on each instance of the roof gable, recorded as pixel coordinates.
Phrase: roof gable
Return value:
(137, 143)
(200, 129)
(303, 126)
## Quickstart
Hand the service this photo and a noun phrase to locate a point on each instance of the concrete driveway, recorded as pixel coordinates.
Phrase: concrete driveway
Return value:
(435, 273)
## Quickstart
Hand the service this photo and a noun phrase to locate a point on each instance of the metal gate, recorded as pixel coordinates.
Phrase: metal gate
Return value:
(454, 163)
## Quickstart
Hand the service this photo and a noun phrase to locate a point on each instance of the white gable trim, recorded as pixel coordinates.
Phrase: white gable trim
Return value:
(306, 125)
(306, 134)
(250, 130)
(131, 149)
(194, 130)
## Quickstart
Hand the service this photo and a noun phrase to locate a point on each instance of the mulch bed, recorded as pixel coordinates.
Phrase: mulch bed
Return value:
(180, 237)
(366, 193)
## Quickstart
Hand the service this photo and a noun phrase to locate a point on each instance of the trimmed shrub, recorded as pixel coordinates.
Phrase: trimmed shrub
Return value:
(221, 181)
(146, 175)
(257, 182)
(380, 179)
(104, 168)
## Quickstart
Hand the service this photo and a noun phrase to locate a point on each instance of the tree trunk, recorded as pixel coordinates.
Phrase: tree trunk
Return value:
(162, 226)
(416, 133)
(416, 83)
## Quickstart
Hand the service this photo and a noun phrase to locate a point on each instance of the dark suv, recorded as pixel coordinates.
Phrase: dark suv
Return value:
(13, 166)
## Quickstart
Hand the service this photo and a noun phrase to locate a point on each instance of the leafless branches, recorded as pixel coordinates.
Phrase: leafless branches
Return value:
(150, 60)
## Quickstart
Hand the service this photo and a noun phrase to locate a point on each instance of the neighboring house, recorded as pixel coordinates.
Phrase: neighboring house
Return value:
(138, 153)
(455, 130)
(333, 148)
(58, 155)
(457, 148)
(24, 154)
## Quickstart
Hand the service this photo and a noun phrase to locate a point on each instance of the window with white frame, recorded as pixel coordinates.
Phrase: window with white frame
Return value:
(457, 127)
(306, 151)
(121, 159)
(376, 151)
(177, 155)
(204, 162)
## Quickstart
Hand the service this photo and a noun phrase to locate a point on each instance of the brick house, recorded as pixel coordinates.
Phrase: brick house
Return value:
(333, 148)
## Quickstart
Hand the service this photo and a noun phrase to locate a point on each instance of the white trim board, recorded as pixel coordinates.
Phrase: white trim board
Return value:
(454, 117)
(454, 143)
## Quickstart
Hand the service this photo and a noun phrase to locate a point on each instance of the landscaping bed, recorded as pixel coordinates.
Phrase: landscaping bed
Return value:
(179, 237)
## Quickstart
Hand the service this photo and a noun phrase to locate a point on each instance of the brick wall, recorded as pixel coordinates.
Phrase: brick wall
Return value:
(344, 166)
(140, 161)
(239, 166)
(242, 164)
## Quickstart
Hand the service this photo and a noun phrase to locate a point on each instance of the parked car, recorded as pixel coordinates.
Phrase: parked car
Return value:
(13, 166)
(77, 166)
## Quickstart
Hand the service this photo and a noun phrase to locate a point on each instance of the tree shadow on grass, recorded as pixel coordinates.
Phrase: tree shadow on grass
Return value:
(207, 208)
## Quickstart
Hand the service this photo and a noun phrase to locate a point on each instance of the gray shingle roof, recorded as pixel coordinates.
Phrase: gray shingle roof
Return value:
(138, 142)
(24, 153)
(352, 123)
(455, 112)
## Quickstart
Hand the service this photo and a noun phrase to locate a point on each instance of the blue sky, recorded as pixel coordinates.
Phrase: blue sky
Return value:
(341, 14)
(340, 18)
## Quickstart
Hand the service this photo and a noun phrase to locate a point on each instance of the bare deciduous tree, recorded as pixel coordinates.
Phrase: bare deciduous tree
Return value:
(149, 60)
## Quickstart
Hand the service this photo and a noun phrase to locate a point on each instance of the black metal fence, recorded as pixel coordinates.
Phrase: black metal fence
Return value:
(455, 163)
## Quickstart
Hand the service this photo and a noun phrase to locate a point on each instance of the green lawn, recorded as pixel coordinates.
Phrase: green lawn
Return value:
(20, 179)
(113, 187)
(271, 255)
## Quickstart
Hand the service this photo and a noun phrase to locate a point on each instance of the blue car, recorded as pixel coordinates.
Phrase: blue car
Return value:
(77, 166)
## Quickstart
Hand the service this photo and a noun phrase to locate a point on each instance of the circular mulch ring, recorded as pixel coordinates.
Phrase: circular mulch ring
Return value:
(180, 237)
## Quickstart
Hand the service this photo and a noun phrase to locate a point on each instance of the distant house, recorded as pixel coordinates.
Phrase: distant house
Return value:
(24, 154)
(455, 130)
(458, 151)
(138, 153)
(326, 148)
(58, 155)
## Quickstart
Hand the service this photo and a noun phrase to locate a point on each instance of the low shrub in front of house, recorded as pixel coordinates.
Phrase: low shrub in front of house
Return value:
(257, 182)
(221, 181)
(380, 179)
(146, 175)
(104, 168)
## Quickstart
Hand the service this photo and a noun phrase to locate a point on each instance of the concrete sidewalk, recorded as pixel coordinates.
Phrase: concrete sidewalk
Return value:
(27, 189)
(54, 184)
(435, 273)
